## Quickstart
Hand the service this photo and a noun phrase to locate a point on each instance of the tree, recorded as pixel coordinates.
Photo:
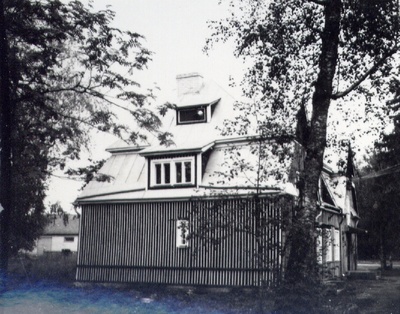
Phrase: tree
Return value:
(379, 191)
(320, 54)
(64, 63)
(5, 157)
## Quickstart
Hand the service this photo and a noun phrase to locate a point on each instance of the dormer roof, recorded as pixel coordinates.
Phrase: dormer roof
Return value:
(193, 90)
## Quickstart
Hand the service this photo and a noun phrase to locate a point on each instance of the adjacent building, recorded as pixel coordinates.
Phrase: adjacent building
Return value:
(60, 235)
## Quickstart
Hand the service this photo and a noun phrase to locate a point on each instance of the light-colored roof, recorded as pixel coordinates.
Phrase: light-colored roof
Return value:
(127, 165)
(129, 177)
(56, 226)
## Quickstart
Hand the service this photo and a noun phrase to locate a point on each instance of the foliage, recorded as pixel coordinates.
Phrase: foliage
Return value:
(87, 174)
(379, 194)
(65, 65)
(320, 55)
(55, 267)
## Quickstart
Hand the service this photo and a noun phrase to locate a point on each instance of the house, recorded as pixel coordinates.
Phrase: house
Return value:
(337, 222)
(60, 235)
(209, 210)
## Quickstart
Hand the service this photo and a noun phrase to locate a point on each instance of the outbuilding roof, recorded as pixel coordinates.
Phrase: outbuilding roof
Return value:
(58, 225)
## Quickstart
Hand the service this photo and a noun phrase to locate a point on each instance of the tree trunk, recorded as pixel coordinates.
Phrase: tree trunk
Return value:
(5, 154)
(382, 248)
(302, 259)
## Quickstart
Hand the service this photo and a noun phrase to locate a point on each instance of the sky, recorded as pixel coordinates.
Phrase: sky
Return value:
(176, 32)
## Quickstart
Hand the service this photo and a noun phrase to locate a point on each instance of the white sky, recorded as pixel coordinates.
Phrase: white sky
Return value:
(176, 31)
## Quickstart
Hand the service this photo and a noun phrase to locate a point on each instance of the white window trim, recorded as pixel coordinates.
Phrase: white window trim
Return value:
(172, 162)
(205, 118)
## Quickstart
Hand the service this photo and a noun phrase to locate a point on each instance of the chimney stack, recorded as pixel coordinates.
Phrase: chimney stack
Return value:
(190, 83)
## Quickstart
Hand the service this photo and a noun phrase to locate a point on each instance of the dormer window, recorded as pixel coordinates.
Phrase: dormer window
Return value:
(172, 172)
(196, 114)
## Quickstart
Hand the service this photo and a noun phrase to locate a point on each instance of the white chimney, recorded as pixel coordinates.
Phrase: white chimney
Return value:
(190, 83)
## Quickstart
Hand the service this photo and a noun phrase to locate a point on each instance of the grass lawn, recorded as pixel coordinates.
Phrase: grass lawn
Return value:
(341, 296)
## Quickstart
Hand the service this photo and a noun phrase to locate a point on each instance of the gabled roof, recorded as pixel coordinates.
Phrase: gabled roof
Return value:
(56, 226)
(343, 197)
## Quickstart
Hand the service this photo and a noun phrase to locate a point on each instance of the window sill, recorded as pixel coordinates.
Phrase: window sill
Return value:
(170, 186)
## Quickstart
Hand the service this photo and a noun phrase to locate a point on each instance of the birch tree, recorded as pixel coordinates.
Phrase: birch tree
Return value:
(328, 56)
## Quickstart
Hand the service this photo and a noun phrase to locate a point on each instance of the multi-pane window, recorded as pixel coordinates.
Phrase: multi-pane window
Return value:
(172, 172)
(182, 233)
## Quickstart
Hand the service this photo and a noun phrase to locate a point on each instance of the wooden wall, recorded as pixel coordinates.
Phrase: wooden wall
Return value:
(234, 242)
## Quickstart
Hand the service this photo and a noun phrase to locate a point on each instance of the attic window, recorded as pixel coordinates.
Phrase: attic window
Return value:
(192, 115)
(325, 195)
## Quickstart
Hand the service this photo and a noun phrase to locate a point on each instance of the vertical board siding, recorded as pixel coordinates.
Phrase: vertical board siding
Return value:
(136, 242)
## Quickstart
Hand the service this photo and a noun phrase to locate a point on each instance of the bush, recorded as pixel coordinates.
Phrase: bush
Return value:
(300, 298)
(53, 266)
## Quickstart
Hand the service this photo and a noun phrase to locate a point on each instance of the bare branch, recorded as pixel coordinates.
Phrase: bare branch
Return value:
(372, 70)
(321, 2)
(394, 104)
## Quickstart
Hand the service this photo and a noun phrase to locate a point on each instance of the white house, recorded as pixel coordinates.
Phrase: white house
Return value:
(61, 234)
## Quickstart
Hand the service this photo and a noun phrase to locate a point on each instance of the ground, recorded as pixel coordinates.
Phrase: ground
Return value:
(372, 296)
(380, 296)
(377, 295)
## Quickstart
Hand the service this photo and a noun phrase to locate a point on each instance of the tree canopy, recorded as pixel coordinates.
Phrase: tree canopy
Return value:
(379, 195)
(69, 70)
(327, 59)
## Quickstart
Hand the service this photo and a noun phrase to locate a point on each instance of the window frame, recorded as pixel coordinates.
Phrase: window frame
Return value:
(179, 110)
(173, 182)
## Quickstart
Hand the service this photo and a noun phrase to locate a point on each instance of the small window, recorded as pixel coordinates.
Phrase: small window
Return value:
(69, 239)
(167, 173)
(172, 172)
(182, 233)
(192, 115)
(188, 171)
(178, 171)
(325, 195)
(158, 173)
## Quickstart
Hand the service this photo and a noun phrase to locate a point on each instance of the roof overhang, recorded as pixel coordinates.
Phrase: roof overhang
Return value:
(176, 151)
(242, 193)
(126, 149)
(356, 230)
(165, 151)
(199, 103)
